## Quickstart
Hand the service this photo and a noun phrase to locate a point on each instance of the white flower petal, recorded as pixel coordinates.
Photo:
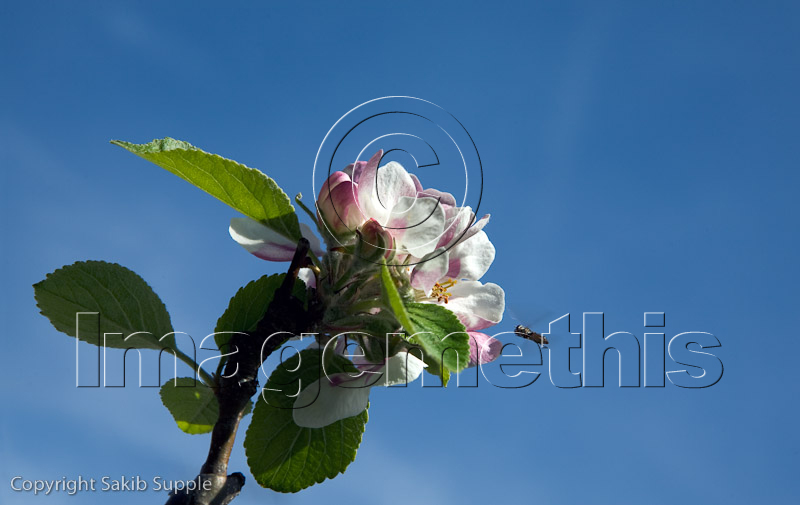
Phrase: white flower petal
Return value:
(308, 277)
(479, 225)
(477, 305)
(430, 270)
(401, 368)
(266, 243)
(322, 402)
(471, 258)
(380, 189)
(416, 224)
(313, 240)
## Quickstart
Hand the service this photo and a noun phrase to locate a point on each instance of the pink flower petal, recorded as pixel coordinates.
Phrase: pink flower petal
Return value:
(339, 208)
(334, 180)
(360, 167)
(444, 198)
(417, 184)
(483, 348)
(266, 243)
(458, 219)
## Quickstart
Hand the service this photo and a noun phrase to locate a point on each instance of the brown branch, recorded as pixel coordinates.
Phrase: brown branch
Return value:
(239, 383)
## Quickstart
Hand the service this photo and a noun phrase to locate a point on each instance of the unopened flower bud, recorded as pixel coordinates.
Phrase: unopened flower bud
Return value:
(374, 242)
(337, 207)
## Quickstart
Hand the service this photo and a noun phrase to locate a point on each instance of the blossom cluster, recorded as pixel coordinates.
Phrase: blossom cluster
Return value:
(368, 216)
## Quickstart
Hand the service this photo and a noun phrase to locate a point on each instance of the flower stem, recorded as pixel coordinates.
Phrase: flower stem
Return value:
(297, 198)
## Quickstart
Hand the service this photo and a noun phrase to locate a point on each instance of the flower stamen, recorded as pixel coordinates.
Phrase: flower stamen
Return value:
(439, 291)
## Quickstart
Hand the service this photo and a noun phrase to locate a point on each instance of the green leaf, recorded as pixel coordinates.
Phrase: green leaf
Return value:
(192, 404)
(441, 335)
(392, 298)
(245, 189)
(285, 457)
(248, 306)
(437, 330)
(125, 303)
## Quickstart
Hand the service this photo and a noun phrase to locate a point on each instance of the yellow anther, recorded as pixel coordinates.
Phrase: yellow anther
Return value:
(439, 291)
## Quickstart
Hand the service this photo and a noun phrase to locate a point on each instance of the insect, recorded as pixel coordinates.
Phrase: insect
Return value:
(527, 333)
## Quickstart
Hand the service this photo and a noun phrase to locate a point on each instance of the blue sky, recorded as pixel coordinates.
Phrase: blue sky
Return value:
(637, 157)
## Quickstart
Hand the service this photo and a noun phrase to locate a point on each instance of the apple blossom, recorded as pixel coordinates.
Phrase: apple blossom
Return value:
(368, 214)
(389, 196)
